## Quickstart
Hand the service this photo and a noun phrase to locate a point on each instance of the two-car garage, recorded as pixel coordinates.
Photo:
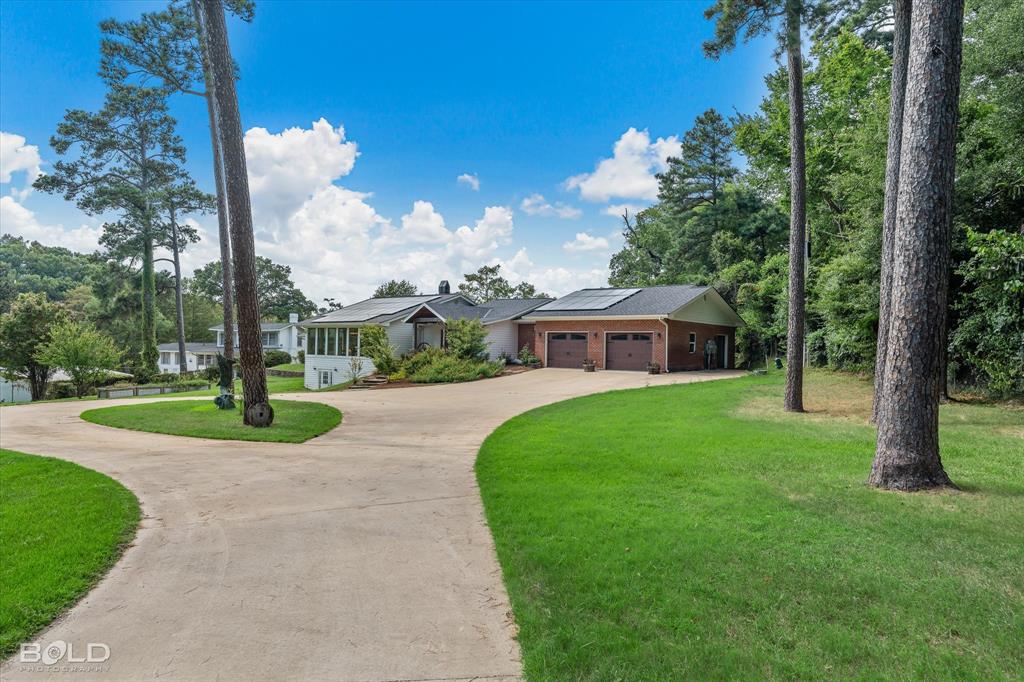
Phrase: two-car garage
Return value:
(623, 351)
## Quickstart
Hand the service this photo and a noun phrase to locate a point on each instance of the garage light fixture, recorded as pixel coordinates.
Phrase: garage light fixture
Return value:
(595, 335)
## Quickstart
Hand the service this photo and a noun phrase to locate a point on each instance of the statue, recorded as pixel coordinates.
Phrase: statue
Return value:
(226, 399)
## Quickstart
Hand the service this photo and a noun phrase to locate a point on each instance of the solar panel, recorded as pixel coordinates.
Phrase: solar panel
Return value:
(589, 299)
(374, 307)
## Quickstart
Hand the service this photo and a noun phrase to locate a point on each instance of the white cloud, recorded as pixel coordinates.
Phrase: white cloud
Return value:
(423, 225)
(470, 180)
(555, 281)
(474, 244)
(15, 157)
(536, 204)
(629, 174)
(287, 168)
(616, 210)
(19, 221)
(584, 242)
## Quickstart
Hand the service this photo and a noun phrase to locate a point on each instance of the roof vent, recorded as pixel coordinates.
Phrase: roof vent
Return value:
(444, 287)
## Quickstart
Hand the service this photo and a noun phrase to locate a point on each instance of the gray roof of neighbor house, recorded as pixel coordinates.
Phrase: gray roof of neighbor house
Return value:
(192, 347)
(646, 301)
(264, 326)
(496, 310)
(378, 310)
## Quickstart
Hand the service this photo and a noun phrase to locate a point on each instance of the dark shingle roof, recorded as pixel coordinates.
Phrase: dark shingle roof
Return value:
(662, 300)
(357, 312)
(496, 310)
(192, 347)
(264, 326)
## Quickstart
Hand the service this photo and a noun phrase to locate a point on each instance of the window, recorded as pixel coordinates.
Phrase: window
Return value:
(353, 340)
(325, 377)
(332, 341)
(311, 342)
(619, 337)
(693, 342)
(559, 337)
(165, 358)
(577, 337)
(201, 360)
(641, 337)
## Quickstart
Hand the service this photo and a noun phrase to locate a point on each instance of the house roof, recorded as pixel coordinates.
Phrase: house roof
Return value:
(496, 310)
(659, 301)
(378, 310)
(264, 326)
(192, 347)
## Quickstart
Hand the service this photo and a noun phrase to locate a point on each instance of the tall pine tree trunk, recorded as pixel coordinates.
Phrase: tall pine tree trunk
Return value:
(227, 285)
(797, 213)
(149, 354)
(897, 94)
(907, 452)
(243, 249)
(179, 302)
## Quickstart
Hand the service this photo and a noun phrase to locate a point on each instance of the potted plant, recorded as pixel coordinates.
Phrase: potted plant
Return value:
(653, 368)
(589, 365)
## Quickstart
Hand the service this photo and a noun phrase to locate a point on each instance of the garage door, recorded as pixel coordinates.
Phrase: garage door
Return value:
(567, 349)
(629, 351)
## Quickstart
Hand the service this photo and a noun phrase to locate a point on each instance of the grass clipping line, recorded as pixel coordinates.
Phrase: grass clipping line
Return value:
(294, 421)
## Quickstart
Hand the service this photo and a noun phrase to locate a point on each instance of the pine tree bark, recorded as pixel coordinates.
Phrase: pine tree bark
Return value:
(243, 248)
(227, 285)
(149, 354)
(907, 451)
(179, 302)
(794, 401)
(897, 94)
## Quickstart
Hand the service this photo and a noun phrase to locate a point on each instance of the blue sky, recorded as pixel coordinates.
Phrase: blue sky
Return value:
(368, 108)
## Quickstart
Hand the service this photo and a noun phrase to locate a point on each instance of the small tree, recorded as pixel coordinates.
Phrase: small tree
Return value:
(374, 344)
(82, 351)
(466, 339)
(23, 331)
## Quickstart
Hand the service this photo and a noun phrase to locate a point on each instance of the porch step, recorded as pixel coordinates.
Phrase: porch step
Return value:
(369, 382)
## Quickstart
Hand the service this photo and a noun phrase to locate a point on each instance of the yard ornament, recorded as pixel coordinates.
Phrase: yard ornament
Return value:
(226, 399)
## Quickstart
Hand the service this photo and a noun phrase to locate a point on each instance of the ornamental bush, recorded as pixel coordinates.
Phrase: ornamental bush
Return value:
(376, 346)
(451, 369)
(466, 339)
(275, 357)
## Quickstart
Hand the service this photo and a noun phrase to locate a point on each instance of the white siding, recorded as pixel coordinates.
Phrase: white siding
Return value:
(401, 335)
(339, 367)
(502, 337)
(708, 308)
(14, 391)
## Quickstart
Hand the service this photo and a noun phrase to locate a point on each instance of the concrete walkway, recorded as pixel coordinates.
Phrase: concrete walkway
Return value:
(360, 555)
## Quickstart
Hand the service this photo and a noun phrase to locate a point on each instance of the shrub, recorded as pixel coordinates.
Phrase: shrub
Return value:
(275, 357)
(374, 345)
(450, 369)
(302, 357)
(526, 356)
(417, 361)
(466, 339)
(61, 389)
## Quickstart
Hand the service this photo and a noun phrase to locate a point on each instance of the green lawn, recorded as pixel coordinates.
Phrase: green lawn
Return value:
(294, 421)
(61, 527)
(698, 532)
(292, 367)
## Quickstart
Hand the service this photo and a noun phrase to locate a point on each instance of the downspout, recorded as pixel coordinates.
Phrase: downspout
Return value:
(664, 321)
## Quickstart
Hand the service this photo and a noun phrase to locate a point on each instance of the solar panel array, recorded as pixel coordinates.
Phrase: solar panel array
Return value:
(374, 307)
(589, 299)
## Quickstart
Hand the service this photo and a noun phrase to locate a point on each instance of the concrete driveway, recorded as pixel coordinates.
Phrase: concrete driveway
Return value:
(360, 555)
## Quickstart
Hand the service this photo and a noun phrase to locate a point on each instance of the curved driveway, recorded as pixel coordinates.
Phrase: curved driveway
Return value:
(360, 555)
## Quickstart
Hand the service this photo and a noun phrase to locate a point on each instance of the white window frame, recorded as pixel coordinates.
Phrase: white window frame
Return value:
(692, 340)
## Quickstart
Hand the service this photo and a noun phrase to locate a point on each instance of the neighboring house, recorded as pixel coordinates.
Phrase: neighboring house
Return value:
(16, 391)
(287, 336)
(679, 327)
(333, 340)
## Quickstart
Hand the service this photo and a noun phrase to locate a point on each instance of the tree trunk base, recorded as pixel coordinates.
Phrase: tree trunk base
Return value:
(910, 479)
(259, 415)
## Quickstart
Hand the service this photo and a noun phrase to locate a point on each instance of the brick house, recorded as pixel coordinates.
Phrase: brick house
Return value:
(679, 327)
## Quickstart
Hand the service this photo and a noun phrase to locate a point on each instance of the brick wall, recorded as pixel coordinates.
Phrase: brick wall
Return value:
(595, 344)
(679, 357)
(527, 337)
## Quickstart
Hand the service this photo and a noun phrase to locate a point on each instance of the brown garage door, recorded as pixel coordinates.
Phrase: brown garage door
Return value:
(629, 351)
(567, 349)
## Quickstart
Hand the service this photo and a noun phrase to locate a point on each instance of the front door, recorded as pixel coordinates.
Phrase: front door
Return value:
(628, 351)
(722, 356)
(567, 349)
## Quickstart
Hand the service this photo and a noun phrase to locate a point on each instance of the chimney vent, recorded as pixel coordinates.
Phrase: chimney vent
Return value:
(443, 287)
